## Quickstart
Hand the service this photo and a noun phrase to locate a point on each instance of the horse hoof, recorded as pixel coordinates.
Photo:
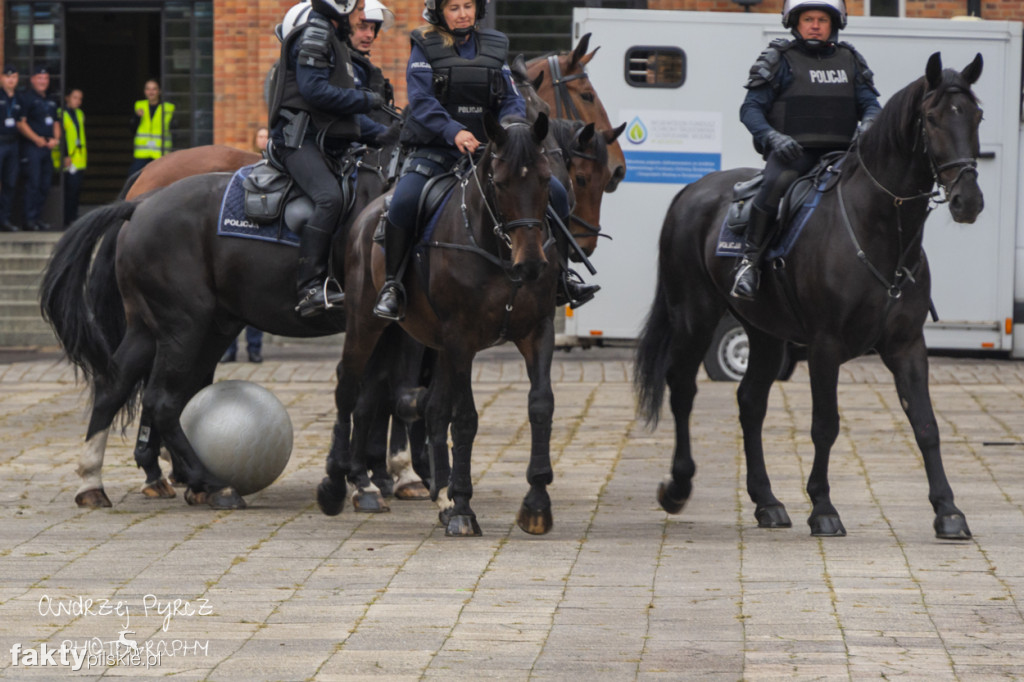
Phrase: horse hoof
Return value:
(462, 525)
(386, 486)
(534, 522)
(774, 516)
(826, 526)
(93, 499)
(160, 488)
(952, 527)
(225, 498)
(330, 497)
(415, 491)
(193, 498)
(369, 502)
(668, 501)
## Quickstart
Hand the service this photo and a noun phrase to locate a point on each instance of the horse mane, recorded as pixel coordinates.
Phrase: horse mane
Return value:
(896, 126)
(564, 131)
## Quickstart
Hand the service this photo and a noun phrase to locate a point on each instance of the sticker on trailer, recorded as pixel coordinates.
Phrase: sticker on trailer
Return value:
(668, 146)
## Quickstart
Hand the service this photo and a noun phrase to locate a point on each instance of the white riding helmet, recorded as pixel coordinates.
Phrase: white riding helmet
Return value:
(335, 9)
(376, 12)
(293, 18)
(791, 10)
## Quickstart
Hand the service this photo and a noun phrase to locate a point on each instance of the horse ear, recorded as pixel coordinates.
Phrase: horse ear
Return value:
(973, 70)
(613, 134)
(933, 72)
(538, 80)
(580, 49)
(540, 127)
(584, 135)
(495, 132)
(586, 59)
(519, 67)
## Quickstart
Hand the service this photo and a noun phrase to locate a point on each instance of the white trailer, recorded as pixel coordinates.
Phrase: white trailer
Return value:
(686, 123)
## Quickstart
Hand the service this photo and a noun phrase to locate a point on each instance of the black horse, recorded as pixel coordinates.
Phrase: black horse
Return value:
(485, 276)
(181, 295)
(857, 280)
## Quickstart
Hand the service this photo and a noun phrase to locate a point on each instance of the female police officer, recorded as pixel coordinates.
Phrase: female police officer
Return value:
(456, 72)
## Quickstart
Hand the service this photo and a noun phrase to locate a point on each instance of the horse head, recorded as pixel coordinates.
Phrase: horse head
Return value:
(518, 171)
(949, 120)
(568, 89)
(528, 88)
(586, 149)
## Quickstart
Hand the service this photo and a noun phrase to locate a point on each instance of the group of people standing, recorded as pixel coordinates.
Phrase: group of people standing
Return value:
(39, 137)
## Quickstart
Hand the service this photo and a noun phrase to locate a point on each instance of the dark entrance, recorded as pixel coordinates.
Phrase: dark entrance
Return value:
(109, 55)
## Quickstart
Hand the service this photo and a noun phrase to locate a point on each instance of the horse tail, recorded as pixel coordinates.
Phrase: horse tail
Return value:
(653, 358)
(87, 322)
(129, 183)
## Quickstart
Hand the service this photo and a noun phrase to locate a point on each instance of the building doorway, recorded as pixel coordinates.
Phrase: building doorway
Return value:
(109, 55)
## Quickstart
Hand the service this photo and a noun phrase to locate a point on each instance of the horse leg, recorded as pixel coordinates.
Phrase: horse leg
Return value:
(752, 396)
(823, 365)
(131, 360)
(406, 412)
(535, 512)
(451, 403)
(408, 484)
(909, 367)
(687, 351)
(369, 446)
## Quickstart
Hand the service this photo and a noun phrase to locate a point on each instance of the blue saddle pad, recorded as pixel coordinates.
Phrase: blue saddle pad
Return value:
(731, 244)
(428, 229)
(233, 222)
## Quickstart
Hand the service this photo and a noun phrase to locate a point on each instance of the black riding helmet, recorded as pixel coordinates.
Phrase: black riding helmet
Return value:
(433, 12)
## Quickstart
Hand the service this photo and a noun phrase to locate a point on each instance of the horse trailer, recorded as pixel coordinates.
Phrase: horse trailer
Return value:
(676, 79)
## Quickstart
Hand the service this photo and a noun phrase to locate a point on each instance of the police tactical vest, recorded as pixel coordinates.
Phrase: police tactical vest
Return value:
(466, 88)
(819, 108)
(287, 93)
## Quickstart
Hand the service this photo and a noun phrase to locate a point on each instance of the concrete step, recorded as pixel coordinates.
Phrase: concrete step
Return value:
(20, 310)
(29, 279)
(22, 293)
(23, 262)
(25, 331)
(23, 243)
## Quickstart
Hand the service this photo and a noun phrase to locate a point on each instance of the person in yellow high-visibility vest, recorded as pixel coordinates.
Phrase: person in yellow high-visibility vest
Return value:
(73, 153)
(152, 127)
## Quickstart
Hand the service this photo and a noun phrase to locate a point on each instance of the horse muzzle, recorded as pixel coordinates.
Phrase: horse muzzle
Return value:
(966, 200)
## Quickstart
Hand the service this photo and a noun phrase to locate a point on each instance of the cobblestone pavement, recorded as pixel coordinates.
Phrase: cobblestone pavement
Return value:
(619, 590)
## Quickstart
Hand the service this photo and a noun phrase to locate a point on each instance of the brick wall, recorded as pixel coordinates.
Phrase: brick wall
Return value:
(245, 47)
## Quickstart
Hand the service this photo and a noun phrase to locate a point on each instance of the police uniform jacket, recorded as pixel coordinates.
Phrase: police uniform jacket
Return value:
(429, 122)
(369, 77)
(11, 110)
(315, 84)
(836, 77)
(39, 113)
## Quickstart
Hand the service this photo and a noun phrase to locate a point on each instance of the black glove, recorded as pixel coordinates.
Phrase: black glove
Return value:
(374, 100)
(788, 149)
(390, 134)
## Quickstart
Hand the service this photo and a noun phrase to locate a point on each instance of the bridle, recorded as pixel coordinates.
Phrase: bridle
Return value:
(963, 164)
(590, 230)
(562, 94)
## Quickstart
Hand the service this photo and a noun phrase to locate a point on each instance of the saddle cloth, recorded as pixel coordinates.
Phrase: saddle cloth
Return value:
(731, 241)
(233, 222)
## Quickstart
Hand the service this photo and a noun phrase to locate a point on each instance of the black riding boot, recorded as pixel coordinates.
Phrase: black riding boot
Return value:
(390, 303)
(572, 290)
(748, 273)
(316, 292)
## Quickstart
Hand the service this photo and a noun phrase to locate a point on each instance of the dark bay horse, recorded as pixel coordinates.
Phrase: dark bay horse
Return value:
(567, 90)
(856, 280)
(184, 294)
(485, 276)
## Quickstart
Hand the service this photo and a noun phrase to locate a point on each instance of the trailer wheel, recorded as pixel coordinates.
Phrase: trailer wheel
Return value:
(726, 359)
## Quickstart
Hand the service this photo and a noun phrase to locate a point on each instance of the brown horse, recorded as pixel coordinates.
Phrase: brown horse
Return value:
(567, 90)
(485, 276)
(184, 163)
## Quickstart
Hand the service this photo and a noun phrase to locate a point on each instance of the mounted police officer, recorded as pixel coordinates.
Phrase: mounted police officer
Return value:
(456, 73)
(10, 107)
(41, 132)
(805, 98)
(316, 110)
(376, 17)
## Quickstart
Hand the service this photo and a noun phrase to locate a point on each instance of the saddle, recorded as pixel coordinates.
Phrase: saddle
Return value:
(435, 192)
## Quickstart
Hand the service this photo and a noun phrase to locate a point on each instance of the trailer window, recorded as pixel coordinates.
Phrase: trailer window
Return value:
(655, 67)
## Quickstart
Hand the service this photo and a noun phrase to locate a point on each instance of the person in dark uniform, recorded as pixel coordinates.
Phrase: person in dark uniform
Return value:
(40, 129)
(314, 95)
(10, 104)
(365, 29)
(804, 99)
(456, 72)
